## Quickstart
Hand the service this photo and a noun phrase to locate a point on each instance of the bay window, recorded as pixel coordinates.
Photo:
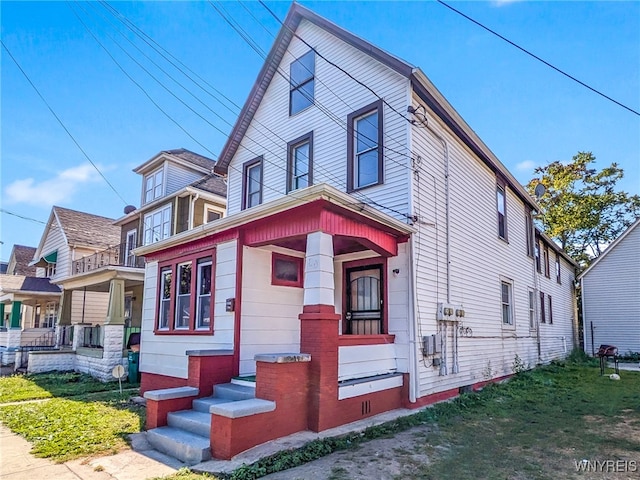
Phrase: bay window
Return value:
(187, 300)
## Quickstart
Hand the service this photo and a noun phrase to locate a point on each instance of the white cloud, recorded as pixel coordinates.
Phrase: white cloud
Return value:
(526, 166)
(502, 3)
(56, 190)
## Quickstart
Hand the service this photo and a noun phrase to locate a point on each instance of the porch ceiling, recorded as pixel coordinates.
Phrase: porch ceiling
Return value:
(99, 280)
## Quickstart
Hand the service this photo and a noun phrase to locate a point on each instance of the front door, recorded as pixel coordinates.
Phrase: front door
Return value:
(364, 300)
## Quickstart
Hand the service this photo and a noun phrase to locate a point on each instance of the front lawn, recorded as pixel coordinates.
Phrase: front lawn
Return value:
(540, 425)
(17, 388)
(62, 429)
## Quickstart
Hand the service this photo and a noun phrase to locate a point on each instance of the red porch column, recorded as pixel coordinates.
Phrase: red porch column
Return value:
(319, 329)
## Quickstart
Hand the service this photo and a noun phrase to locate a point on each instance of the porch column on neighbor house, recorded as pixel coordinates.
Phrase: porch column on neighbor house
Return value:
(65, 307)
(16, 315)
(1, 315)
(63, 327)
(319, 331)
(115, 310)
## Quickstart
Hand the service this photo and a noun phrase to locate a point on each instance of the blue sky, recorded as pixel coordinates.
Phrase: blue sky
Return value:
(528, 114)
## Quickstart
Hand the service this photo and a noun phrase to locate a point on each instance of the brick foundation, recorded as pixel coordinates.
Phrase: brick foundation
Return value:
(284, 383)
(153, 381)
(157, 410)
(207, 371)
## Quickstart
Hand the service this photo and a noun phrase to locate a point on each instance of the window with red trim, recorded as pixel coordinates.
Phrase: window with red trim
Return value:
(185, 291)
(286, 271)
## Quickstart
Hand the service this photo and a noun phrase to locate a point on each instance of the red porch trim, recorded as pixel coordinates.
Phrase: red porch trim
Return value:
(193, 247)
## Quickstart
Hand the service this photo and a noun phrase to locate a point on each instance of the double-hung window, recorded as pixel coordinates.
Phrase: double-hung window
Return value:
(506, 291)
(558, 269)
(50, 315)
(537, 251)
(364, 147)
(532, 309)
(543, 316)
(165, 298)
(529, 232)
(302, 82)
(547, 266)
(501, 204)
(203, 308)
(185, 300)
(549, 309)
(252, 183)
(183, 296)
(300, 162)
(157, 225)
(153, 186)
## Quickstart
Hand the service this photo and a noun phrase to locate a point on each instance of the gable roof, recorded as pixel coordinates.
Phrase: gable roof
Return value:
(611, 246)
(212, 183)
(87, 229)
(23, 284)
(19, 260)
(421, 85)
(179, 155)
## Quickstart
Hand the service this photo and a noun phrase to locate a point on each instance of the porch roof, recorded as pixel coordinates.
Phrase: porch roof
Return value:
(347, 218)
(98, 280)
(19, 287)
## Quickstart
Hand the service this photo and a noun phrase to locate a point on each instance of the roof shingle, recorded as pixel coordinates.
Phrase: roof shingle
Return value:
(23, 256)
(87, 229)
(213, 183)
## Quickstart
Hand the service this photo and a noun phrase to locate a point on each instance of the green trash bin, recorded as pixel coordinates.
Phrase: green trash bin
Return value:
(134, 373)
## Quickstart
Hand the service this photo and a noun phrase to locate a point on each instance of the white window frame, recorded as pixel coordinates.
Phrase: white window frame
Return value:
(212, 209)
(179, 325)
(50, 317)
(50, 270)
(509, 303)
(130, 244)
(200, 296)
(153, 186)
(163, 229)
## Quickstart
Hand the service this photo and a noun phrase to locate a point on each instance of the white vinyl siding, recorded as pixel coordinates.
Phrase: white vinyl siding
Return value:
(611, 297)
(479, 259)
(89, 307)
(178, 177)
(329, 137)
(166, 354)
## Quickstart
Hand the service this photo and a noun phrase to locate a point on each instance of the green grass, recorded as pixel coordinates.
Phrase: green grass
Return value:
(532, 427)
(63, 429)
(17, 388)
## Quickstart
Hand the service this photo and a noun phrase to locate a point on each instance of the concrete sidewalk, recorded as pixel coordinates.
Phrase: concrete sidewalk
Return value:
(16, 463)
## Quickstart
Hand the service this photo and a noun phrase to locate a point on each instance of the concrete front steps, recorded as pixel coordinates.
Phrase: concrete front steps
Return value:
(187, 434)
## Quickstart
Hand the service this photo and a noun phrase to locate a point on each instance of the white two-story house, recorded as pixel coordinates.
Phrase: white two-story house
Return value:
(376, 255)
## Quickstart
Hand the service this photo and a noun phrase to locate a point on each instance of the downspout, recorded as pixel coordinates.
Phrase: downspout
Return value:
(192, 209)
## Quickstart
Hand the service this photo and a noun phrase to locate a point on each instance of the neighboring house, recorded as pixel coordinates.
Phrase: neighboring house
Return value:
(611, 295)
(28, 305)
(179, 191)
(376, 255)
(21, 257)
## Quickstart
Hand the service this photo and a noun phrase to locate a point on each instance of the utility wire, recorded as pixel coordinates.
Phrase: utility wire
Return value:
(62, 123)
(138, 85)
(535, 56)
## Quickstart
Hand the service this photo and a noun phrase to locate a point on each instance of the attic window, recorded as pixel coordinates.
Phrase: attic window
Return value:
(153, 186)
(302, 82)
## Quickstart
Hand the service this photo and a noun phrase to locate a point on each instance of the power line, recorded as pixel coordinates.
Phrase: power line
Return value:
(138, 85)
(536, 57)
(62, 123)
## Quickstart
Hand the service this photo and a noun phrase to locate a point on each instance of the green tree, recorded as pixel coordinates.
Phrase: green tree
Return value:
(581, 208)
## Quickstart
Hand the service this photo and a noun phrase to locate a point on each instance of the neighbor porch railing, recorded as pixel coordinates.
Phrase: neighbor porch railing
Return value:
(118, 256)
(47, 341)
(92, 337)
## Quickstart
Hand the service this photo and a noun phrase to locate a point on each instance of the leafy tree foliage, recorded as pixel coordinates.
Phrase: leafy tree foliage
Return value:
(581, 208)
